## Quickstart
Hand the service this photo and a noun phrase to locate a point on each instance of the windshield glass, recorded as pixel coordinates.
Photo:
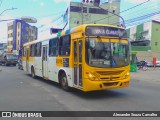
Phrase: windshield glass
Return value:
(11, 56)
(106, 53)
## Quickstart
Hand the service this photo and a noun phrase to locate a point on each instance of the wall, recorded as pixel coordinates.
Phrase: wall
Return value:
(78, 18)
(139, 31)
(10, 38)
(148, 55)
(22, 33)
(155, 36)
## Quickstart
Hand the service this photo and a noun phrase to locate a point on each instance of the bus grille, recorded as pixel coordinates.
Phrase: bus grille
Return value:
(109, 72)
(109, 75)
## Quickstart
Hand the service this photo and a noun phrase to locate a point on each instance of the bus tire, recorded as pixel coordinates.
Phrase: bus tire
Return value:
(64, 82)
(33, 72)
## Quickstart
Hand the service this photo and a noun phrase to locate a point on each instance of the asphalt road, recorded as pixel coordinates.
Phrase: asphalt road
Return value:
(20, 92)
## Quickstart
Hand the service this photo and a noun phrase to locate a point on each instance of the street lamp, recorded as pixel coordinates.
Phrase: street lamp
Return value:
(25, 19)
(7, 10)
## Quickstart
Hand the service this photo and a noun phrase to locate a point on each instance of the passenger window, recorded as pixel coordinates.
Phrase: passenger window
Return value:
(32, 50)
(64, 46)
(37, 50)
(53, 47)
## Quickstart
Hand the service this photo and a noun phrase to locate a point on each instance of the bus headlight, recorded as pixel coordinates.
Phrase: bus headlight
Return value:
(127, 75)
(91, 76)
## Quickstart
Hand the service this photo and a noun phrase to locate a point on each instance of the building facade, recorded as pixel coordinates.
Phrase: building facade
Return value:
(20, 32)
(79, 13)
(149, 31)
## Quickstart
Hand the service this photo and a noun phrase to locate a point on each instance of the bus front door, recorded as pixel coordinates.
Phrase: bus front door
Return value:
(78, 63)
(27, 60)
(44, 63)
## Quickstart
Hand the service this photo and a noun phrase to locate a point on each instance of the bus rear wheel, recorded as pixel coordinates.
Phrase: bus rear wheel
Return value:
(63, 82)
(33, 73)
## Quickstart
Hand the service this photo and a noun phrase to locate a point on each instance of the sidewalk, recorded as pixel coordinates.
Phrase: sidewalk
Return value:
(151, 75)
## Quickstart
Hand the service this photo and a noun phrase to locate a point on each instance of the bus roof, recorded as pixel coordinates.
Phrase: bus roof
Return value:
(69, 31)
(81, 28)
(40, 40)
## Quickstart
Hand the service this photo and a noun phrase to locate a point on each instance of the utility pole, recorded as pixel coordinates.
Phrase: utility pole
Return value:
(82, 12)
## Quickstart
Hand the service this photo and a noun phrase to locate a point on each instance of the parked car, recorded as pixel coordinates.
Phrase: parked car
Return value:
(150, 64)
(9, 59)
(158, 63)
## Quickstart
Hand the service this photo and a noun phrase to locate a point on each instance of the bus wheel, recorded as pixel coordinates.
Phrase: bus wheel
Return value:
(64, 83)
(33, 73)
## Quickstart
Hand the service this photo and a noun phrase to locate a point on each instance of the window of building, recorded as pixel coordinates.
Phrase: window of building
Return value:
(97, 11)
(19, 24)
(10, 35)
(84, 10)
(78, 9)
(10, 27)
(75, 9)
(53, 47)
(64, 46)
(37, 50)
(156, 43)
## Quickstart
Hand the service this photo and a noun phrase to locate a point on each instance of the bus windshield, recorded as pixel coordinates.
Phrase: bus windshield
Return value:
(106, 54)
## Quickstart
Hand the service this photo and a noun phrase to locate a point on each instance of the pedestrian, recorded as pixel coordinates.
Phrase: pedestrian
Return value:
(154, 62)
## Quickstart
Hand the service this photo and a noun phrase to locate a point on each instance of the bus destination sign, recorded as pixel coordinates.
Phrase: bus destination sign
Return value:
(105, 31)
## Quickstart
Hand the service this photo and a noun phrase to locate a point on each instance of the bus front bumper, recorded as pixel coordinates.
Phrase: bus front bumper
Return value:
(104, 85)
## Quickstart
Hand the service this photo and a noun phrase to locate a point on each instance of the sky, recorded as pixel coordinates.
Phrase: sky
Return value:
(48, 12)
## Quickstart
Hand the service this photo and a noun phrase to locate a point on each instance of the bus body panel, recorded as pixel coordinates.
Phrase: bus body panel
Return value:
(106, 78)
(38, 66)
(52, 70)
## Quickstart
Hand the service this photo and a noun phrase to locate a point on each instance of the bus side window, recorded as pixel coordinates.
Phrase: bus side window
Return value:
(37, 50)
(64, 46)
(32, 50)
(53, 47)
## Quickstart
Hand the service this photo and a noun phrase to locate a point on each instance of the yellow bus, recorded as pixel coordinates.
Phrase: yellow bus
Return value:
(88, 57)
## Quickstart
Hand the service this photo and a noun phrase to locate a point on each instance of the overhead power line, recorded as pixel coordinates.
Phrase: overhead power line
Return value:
(140, 18)
(118, 12)
(129, 8)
